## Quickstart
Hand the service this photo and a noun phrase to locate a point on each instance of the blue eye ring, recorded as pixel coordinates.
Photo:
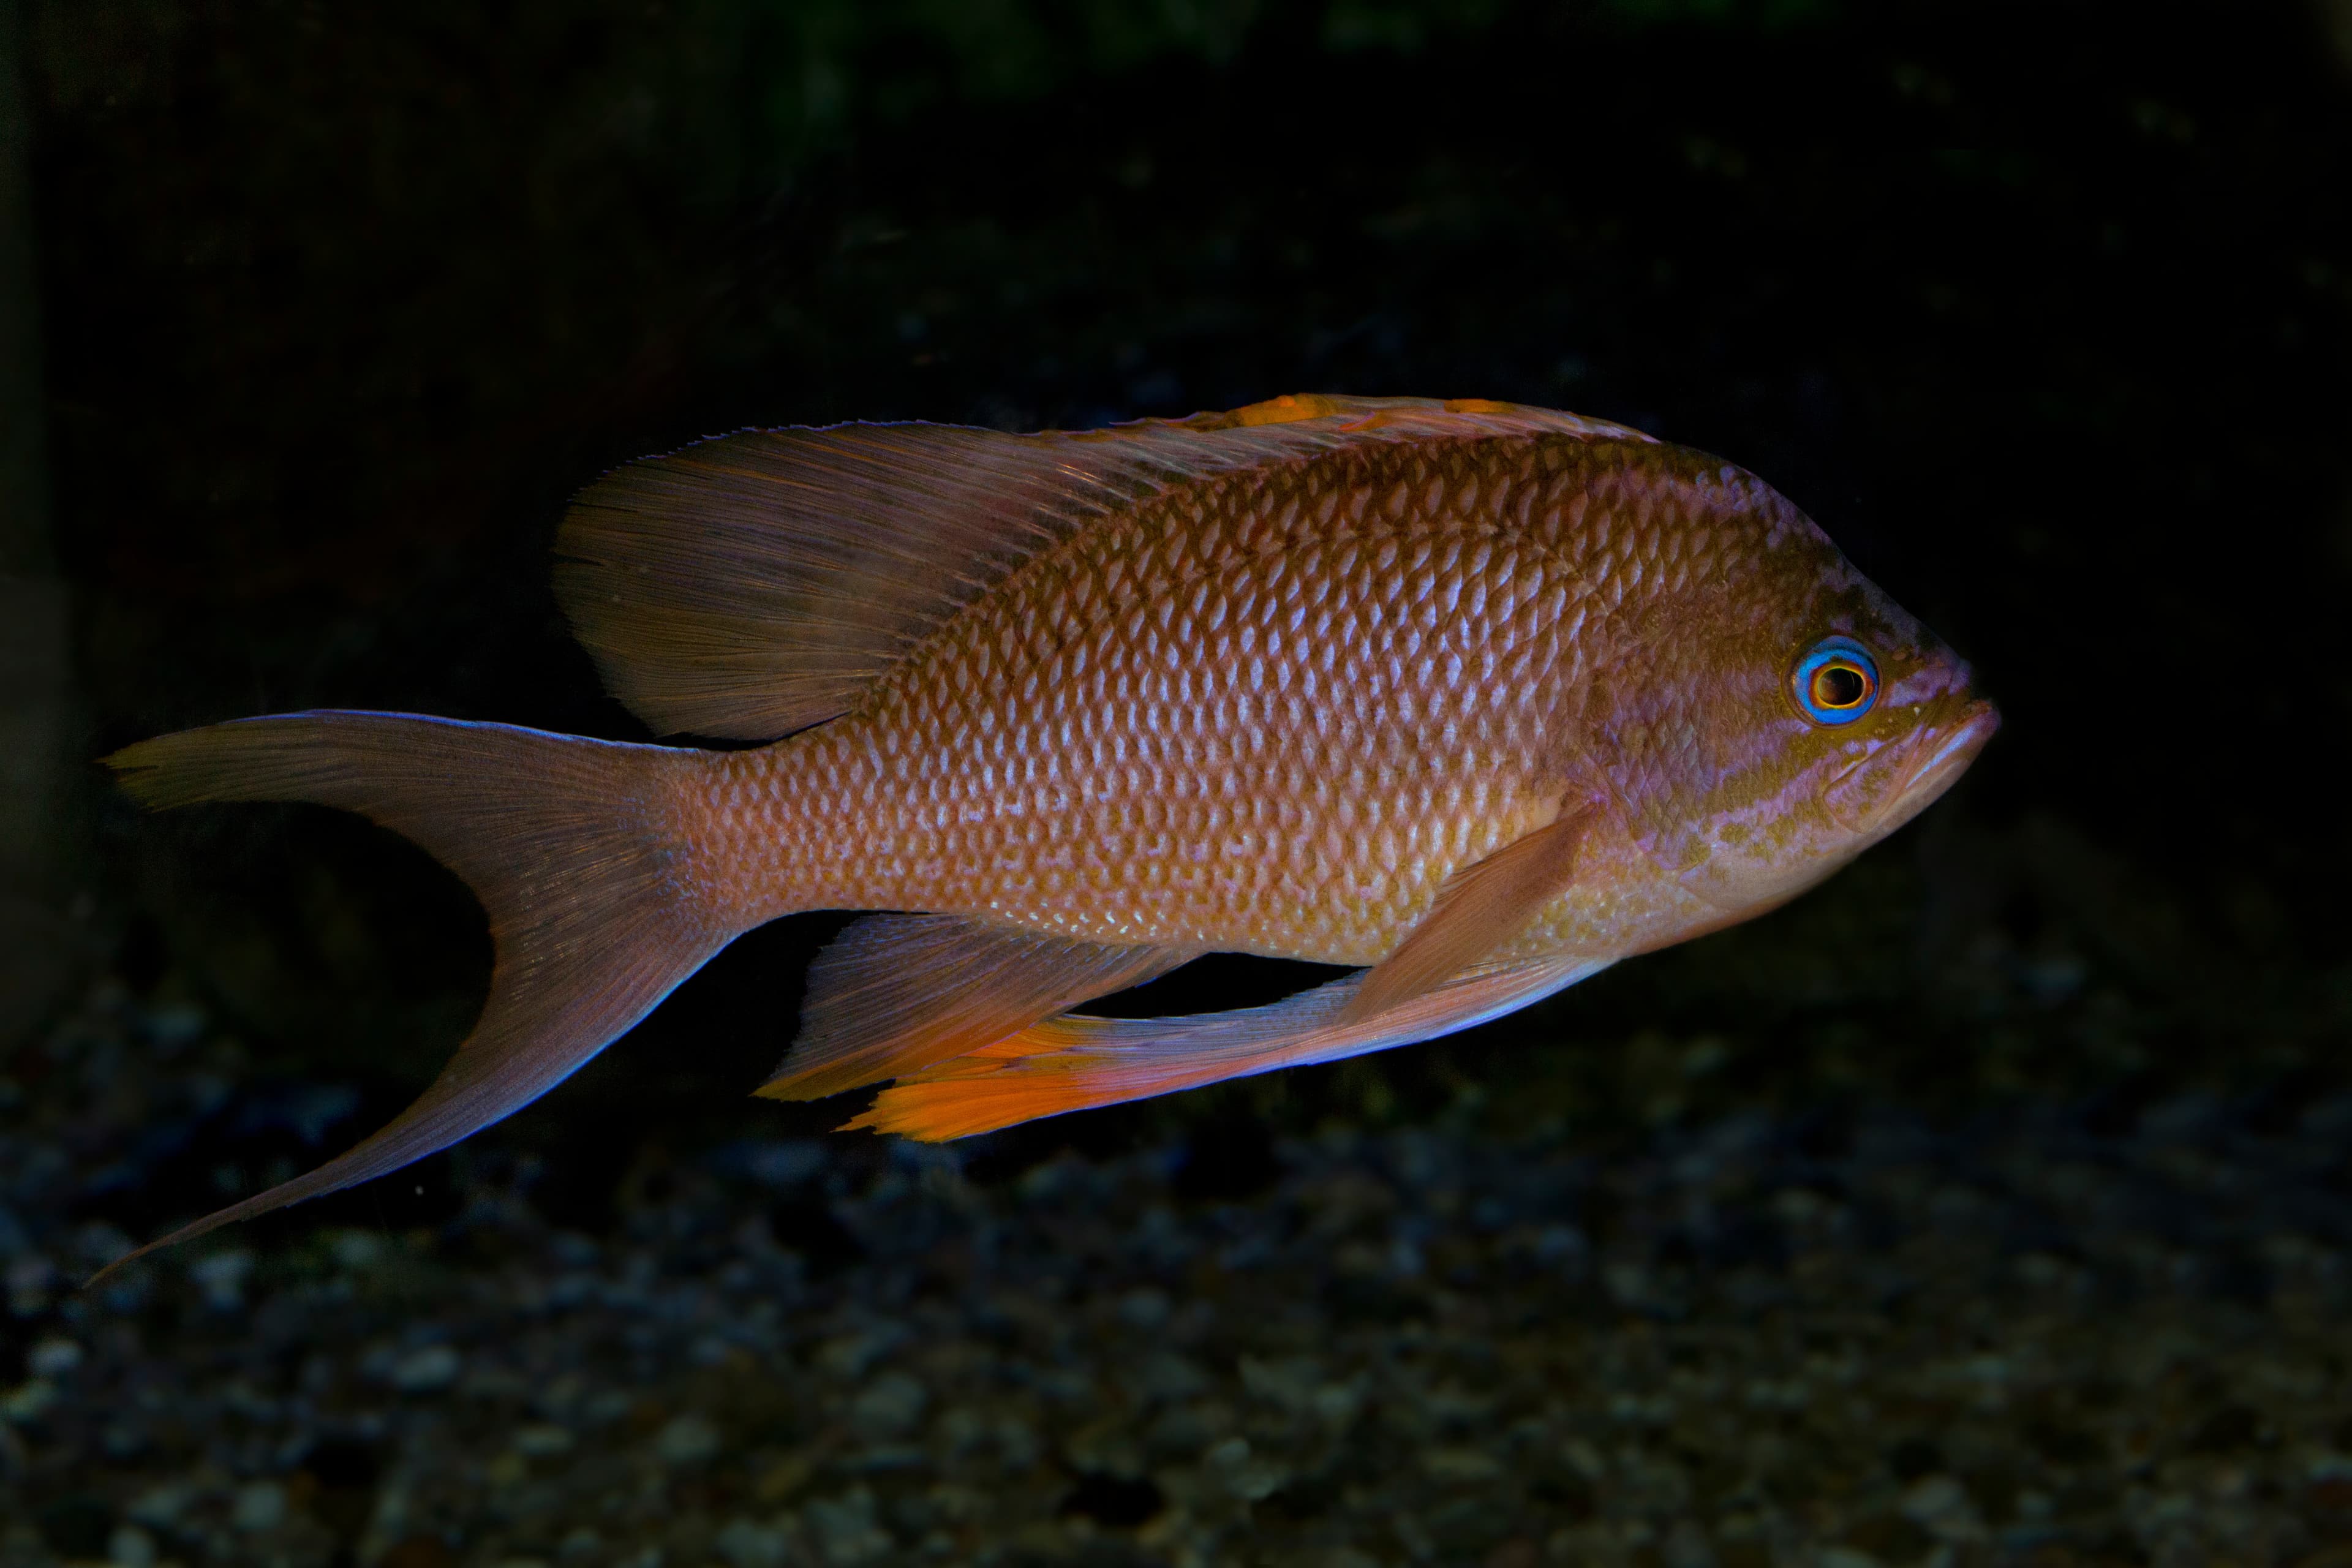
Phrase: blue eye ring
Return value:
(1836, 681)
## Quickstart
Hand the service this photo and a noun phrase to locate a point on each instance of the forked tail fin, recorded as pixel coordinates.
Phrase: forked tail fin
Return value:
(575, 847)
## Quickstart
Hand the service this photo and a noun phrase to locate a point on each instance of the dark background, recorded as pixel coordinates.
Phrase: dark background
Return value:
(2041, 309)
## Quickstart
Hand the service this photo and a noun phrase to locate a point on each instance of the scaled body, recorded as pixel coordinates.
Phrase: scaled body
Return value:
(1486, 698)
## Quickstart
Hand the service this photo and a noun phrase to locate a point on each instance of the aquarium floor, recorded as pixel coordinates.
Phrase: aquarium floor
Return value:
(2027, 1337)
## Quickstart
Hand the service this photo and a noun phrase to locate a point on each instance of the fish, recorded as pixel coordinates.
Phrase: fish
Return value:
(1473, 699)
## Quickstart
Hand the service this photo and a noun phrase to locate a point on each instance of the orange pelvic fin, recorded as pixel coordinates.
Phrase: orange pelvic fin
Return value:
(1479, 909)
(1076, 1062)
(896, 994)
(565, 841)
(754, 584)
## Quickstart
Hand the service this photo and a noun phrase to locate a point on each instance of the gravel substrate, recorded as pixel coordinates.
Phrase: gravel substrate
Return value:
(1845, 1340)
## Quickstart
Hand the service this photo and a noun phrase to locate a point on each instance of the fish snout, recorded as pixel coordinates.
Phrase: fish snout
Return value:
(1944, 751)
(1889, 788)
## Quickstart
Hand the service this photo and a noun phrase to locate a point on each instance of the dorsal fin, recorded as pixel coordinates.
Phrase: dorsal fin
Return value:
(752, 584)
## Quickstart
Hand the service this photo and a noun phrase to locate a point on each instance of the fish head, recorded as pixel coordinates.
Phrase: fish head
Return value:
(1769, 719)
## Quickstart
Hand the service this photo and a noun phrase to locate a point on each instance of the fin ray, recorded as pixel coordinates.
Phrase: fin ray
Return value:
(1480, 907)
(566, 842)
(1077, 1062)
(754, 584)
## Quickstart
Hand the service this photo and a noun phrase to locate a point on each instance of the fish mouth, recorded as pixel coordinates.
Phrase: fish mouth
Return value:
(1945, 752)
(1940, 755)
(1877, 795)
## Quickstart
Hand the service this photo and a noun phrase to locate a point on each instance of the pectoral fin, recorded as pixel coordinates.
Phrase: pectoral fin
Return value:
(897, 992)
(1075, 1062)
(1477, 910)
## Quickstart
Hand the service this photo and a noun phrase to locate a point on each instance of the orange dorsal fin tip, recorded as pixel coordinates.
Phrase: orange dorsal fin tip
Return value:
(896, 994)
(1288, 409)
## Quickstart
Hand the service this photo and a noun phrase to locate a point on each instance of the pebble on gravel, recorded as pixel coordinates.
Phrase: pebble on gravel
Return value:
(428, 1368)
(687, 1441)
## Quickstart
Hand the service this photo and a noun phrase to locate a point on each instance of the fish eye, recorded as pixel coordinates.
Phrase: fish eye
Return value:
(1835, 682)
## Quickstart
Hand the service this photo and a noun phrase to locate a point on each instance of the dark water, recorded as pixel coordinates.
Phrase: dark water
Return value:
(2045, 312)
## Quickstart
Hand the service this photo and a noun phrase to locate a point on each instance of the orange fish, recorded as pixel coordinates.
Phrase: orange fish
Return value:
(1479, 698)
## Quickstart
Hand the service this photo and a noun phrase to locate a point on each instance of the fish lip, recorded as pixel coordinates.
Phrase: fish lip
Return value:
(1921, 767)
(1943, 753)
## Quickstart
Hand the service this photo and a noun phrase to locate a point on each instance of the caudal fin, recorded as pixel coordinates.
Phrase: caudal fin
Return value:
(574, 847)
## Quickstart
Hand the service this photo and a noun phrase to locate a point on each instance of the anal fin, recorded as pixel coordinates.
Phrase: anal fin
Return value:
(1076, 1062)
(896, 994)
